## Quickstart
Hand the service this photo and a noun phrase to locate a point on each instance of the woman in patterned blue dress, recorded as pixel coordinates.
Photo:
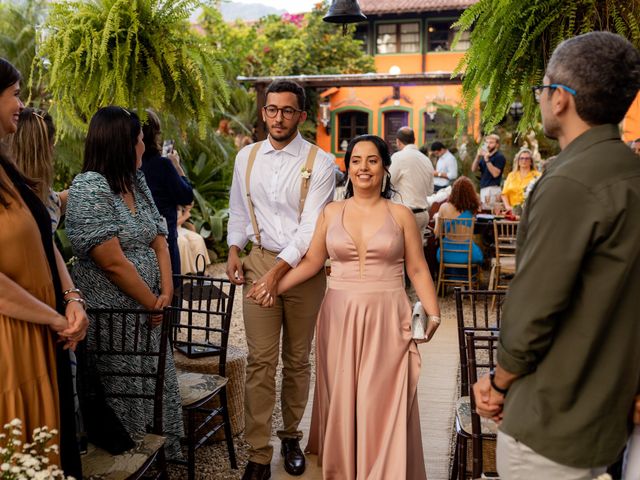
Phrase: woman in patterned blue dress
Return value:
(123, 260)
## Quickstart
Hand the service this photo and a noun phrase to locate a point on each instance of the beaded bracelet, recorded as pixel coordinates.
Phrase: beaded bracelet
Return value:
(81, 301)
(434, 318)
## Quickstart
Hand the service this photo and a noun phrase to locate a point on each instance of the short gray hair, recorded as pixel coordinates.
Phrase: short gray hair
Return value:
(604, 70)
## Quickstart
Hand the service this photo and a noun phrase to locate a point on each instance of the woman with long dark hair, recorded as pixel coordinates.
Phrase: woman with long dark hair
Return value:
(365, 420)
(119, 238)
(39, 305)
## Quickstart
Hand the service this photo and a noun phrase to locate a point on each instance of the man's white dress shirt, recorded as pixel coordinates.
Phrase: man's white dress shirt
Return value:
(275, 190)
(448, 164)
(411, 176)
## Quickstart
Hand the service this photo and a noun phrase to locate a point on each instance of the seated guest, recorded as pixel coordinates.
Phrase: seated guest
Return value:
(524, 172)
(446, 167)
(190, 243)
(119, 238)
(463, 203)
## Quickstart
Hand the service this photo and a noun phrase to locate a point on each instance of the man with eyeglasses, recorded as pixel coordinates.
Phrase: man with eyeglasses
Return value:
(279, 188)
(568, 357)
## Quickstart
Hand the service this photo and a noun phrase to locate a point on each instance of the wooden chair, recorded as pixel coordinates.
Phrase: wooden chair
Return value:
(456, 238)
(504, 234)
(127, 336)
(474, 314)
(201, 318)
(482, 355)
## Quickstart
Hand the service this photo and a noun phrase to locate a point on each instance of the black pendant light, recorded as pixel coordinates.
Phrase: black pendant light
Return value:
(344, 11)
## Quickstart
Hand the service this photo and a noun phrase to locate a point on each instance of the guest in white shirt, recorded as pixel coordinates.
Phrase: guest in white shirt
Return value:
(290, 183)
(446, 166)
(411, 174)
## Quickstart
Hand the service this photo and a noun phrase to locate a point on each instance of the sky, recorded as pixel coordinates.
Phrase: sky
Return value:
(292, 6)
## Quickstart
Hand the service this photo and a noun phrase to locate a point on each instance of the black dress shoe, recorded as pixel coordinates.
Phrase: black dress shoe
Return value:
(256, 471)
(294, 463)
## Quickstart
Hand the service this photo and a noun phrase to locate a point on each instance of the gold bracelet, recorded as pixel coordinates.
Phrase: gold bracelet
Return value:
(81, 301)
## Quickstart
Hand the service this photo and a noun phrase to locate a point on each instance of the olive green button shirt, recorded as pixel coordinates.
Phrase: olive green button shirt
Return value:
(571, 324)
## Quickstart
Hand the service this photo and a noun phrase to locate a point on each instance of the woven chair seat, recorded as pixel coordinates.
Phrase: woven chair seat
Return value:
(98, 464)
(195, 387)
(463, 414)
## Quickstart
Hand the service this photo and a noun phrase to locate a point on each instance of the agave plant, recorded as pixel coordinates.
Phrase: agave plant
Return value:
(209, 166)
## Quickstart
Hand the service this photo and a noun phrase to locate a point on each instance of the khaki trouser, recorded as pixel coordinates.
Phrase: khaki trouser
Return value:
(294, 315)
(516, 461)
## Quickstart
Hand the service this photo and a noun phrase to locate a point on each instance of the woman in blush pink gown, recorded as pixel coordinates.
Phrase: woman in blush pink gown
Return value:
(365, 422)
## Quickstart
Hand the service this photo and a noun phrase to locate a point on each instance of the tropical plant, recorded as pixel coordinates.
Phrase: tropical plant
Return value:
(134, 53)
(18, 23)
(209, 166)
(512, 40)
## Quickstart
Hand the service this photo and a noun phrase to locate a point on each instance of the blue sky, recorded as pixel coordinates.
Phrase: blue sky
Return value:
(292, 6)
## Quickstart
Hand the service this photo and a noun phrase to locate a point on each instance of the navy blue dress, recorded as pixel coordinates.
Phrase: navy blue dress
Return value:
(169, 190)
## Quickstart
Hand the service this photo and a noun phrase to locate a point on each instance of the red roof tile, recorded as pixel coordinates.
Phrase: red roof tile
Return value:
(377, 7)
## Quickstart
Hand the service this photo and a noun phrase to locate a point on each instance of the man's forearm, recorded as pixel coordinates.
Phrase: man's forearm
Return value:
(475, 164)
(279, 269)
(493, 170)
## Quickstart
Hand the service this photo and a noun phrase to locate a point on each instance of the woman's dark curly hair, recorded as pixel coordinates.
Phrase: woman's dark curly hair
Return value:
(463, 195)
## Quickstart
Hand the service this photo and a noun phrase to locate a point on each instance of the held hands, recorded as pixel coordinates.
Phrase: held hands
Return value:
(264, 291)
(77, 325)
(489, 403)
(72, 327)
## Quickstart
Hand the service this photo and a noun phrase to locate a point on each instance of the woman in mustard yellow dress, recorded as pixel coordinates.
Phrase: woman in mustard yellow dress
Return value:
(38, 303)
(523, 174)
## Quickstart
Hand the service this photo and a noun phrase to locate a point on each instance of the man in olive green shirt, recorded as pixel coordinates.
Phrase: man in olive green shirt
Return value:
(569, 351)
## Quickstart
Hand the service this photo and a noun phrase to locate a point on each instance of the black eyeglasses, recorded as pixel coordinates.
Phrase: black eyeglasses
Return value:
(287, 112)
(537, 89)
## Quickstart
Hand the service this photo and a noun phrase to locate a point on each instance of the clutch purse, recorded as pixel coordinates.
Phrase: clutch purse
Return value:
(418, 322)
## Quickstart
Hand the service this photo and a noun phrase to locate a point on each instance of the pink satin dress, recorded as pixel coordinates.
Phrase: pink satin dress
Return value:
(365, 422)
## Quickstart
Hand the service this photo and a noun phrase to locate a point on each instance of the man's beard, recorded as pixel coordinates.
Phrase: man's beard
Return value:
(287, 135)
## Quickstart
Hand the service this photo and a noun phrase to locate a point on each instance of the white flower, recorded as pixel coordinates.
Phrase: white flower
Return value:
(305, 173)
(16, 422)
(5, 467)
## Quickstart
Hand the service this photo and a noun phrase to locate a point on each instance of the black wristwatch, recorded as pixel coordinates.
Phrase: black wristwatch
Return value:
(492, 378)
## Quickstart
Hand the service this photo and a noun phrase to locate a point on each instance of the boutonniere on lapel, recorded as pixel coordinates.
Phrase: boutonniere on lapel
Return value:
(305, 174)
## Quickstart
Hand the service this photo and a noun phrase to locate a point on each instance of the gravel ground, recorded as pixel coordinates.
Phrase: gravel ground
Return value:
(212, 461)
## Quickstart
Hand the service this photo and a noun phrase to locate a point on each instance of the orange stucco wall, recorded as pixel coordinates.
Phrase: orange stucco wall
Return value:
(408, 63)
(631, 123)
(376, 100)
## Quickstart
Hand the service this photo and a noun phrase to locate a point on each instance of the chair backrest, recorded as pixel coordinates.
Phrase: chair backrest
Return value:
(456, 237)
(482, 352)
(474, 313)
(504, 234)
(121, 345)
(201, 314)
